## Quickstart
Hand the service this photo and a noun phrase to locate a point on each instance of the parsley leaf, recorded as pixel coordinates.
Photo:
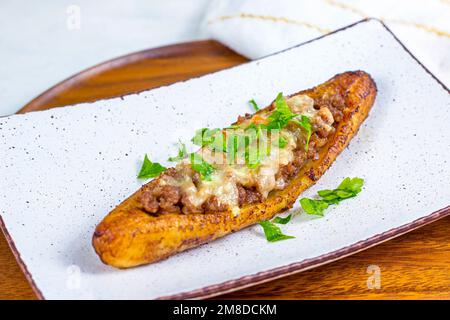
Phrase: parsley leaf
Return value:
(348, 188)
(214, 138)
(252, 154)
(201, 166)
(305, 123)
(272, 232)
(204, 136)
(254, 104)
(315, 207)
(252, 160)
(182, 153)
(281, 220)
(282, 114)
(352, 185)
(220, 142)
(282, 142)
(150, 169)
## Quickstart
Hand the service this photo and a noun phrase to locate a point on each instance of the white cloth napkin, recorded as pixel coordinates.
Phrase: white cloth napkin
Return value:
(256, 28)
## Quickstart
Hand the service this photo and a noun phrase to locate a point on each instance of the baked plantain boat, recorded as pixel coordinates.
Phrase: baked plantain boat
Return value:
(241, 175)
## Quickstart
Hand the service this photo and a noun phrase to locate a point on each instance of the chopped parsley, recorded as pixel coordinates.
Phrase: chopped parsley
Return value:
(281, 220)
(204, 136)
(182, 153)
(150, 169)
(254, 104)
(282, 114)
(348, 188)
(272, 232)
(219, 143)
(305, 123)
(253, 157)
(201, 166)
(315, 207)
(214, 138)
(282, 142)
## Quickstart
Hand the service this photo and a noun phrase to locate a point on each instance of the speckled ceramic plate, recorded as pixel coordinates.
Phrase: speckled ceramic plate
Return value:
(62, 171)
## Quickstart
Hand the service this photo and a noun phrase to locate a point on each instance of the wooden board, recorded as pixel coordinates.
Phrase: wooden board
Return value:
(416, 265)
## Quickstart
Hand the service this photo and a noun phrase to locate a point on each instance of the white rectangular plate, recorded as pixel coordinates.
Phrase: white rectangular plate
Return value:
(63, 170)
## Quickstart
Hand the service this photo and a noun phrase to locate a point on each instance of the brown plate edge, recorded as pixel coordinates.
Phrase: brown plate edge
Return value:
(265, 276)
(116, 62)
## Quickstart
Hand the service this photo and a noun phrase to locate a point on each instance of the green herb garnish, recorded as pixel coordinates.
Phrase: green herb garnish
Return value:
(348, 188)
(254, 104)
(204, 136)
(282, 114)
(201, 166)
(281, 220)
(272, 232)
(282, 142)
(182, 153)
(150, 169)
(252, 154)
(305, 123)
(315, 207)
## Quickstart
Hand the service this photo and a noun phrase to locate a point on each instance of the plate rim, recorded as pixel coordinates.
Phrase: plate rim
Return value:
(278, 272)
(306, 264)
(167, 50)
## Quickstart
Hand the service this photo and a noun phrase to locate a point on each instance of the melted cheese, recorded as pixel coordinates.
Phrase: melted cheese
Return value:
(226, 177)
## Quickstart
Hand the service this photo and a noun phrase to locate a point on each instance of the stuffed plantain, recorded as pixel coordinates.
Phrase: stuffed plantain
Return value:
(241, 175)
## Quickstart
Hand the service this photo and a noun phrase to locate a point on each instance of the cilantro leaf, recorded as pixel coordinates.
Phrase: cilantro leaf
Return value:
(254, 104)
(314, 207)
(348, 188)
(182, 153)
(272, 232)
(150, 169)
(201, 166)
(281, 220)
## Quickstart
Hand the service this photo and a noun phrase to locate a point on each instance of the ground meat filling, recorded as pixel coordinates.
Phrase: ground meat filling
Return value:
(163, 199)
(248, 195)
(213, 205)
(159, 197)
(334, 103)
(290, 170)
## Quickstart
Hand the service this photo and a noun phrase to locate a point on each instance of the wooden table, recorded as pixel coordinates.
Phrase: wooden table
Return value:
(413, 266)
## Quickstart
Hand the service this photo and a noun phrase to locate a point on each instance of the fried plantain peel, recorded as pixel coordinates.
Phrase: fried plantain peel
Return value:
(129, 236)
